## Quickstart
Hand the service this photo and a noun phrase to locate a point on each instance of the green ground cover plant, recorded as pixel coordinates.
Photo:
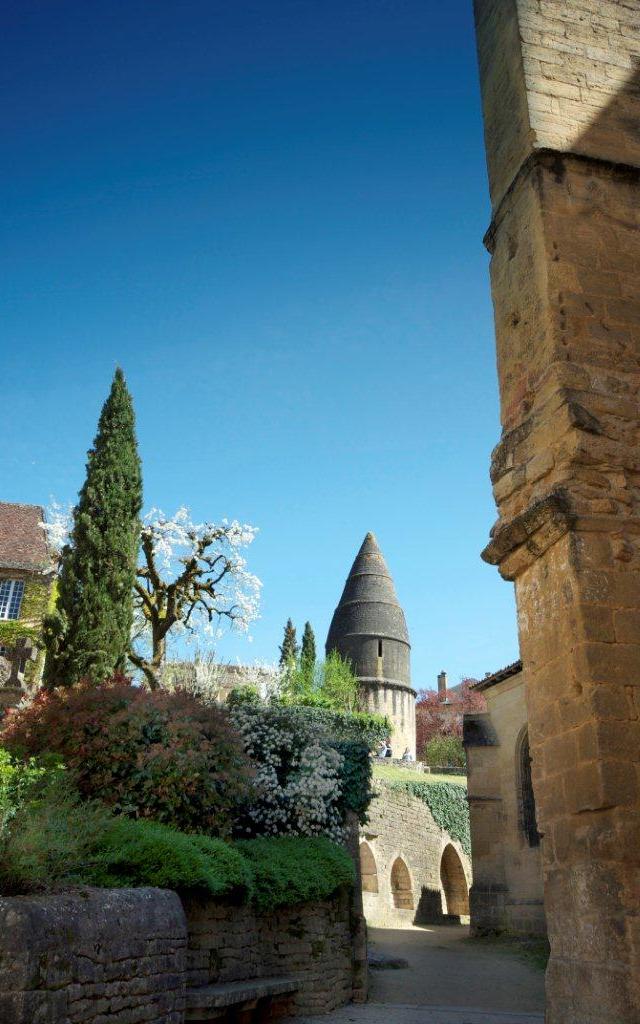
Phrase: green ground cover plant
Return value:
(289, 870)
(134, 853)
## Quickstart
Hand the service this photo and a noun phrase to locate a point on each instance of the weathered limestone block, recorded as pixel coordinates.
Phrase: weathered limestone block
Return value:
(312, 942)
(93, 956)
(562, 105)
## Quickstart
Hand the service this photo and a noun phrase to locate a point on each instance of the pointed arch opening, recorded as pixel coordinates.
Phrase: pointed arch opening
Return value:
(401, 888)
(455, 891)
(368, 868)
(526, 799)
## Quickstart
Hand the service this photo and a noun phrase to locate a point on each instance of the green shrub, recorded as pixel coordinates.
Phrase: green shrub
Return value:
(164, 756)
(332, 684)
(50, 839)
(46, 833)
(19, 780)
(448, 805)
(132, 853)
(293, 870)
(445, 752)
(356, 777)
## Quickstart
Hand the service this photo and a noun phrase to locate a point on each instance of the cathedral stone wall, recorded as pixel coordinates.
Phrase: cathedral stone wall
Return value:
(562, 107)
(507, 893)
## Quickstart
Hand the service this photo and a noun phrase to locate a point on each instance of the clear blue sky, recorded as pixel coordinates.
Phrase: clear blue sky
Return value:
(270, 213)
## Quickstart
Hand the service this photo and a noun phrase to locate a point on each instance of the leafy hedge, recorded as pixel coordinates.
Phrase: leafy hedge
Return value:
(447, 803)
(290, 870)
(49, 838)
(356, 777)
(158, 755)
(133, 853)
(359, 727)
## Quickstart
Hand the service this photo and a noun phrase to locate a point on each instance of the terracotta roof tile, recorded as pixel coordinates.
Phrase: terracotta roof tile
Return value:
(23, 542)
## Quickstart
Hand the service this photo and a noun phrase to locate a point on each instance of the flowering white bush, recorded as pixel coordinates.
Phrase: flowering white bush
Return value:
(298, 777)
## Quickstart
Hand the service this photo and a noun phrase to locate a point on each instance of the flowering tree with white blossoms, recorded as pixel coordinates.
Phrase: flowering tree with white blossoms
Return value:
(190, 577)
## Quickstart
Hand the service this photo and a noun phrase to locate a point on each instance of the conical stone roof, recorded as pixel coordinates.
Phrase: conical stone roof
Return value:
(369, 606)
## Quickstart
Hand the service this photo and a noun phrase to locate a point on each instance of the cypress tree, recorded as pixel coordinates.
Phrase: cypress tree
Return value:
(289, 646)
(308, 650)
(88, 636)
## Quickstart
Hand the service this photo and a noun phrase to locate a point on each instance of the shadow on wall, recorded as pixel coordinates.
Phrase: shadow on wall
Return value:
(446, 905)
(401, 887)
(455, 892)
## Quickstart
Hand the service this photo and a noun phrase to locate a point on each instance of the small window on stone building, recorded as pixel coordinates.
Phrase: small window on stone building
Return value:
(526, 797)
(11, 592)
(379, 648)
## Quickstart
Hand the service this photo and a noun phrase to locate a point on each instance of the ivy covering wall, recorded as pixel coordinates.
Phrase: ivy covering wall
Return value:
(448, 804)
(36, 601)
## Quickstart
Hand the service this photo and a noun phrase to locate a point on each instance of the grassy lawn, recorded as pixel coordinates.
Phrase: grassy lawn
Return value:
(394, 773)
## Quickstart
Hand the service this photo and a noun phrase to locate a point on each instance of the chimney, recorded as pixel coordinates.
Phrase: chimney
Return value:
(442, 685)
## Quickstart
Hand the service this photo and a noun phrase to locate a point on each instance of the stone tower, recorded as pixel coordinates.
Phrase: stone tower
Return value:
(368, 627)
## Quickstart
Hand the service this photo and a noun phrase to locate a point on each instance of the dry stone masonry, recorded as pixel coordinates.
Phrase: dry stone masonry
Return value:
(560, 84)
(98, 956)
(133, 956)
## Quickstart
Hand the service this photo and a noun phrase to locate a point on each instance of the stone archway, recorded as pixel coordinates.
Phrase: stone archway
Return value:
(368, 869)
(401, 888)
(455, 891)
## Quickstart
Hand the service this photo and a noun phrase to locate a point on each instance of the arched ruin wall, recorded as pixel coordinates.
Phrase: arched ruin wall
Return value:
(401, 825)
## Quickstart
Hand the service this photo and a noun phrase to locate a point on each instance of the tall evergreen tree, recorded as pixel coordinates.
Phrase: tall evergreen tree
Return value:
(89, 633)
(308, 650)
(289, 646)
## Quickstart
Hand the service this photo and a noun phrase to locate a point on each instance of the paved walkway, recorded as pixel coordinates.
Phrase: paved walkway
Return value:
(451, 979)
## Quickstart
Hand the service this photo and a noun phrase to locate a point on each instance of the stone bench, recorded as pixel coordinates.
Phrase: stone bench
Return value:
(240, 1000)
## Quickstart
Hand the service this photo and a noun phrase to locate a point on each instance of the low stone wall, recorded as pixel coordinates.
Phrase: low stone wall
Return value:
(311, 942)
(92, 957)
(128, 956)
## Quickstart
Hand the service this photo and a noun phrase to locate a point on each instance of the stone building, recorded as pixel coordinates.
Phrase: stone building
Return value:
(368, 627)
(25, 586)
(561, 101)
(507, 893)
(413, 871)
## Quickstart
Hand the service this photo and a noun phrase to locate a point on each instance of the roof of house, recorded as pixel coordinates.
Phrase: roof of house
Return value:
(23, 542)
(497, 677)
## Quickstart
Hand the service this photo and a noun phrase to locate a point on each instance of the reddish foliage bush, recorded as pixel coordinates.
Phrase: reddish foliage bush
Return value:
(157, 755)
(435, 718)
